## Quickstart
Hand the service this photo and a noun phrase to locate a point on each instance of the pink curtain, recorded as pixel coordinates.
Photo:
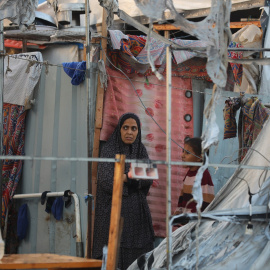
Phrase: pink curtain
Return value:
(120, 97)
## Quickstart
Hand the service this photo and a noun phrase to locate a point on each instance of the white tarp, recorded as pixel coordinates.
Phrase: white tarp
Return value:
(21, 74)
(224, 245)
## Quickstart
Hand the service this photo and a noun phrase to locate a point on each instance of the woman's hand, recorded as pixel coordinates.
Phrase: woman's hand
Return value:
(124, 177)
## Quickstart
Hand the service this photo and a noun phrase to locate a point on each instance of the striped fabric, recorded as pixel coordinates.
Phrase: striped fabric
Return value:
(186, 192)
(13, 144)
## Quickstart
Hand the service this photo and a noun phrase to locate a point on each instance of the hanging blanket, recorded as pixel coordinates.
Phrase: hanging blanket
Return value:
(120, 97)
(252, 117)
(229, 112)
(13, 144)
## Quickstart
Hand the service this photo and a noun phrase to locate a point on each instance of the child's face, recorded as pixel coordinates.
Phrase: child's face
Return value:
(188, 157)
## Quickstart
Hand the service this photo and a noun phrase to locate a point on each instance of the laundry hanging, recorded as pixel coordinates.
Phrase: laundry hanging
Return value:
(130, 52)
(21, 74)
(252, 117)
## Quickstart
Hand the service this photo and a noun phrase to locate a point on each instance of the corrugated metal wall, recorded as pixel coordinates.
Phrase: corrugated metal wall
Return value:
(56, 126)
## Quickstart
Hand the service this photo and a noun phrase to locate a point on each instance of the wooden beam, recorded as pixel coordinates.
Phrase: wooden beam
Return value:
(243, 24)
(47, 261)
(99, 109)
(115, 223)
(170, 27)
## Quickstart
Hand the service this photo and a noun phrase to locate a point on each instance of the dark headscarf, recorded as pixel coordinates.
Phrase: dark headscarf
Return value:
(116, 141)
(114, 146)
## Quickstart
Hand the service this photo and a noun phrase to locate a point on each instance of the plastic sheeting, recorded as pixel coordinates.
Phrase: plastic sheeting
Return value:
(265, 80)
(125, 5)
(214, 30)
(224, 245)
(18, 11)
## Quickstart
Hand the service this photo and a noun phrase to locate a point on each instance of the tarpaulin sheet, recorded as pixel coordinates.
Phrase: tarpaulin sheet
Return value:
(120, 97)
(96, 9)
(224, 245)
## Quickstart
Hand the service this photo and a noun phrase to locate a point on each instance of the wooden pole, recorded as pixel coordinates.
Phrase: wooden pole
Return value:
(115, 228)
(99, 111)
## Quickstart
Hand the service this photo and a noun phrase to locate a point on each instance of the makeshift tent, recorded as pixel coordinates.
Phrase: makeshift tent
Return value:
(223, 244)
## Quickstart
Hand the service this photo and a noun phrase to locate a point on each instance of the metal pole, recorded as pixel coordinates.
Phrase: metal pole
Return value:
(1, 106)
(91, 109)
(168, 158)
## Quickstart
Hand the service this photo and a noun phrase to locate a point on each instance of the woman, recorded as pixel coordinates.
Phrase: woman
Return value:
(137, 235)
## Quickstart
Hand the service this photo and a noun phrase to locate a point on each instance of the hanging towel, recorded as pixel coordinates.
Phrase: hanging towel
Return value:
(22, 223)
(57, 208)
(76, 71)
(49, 204)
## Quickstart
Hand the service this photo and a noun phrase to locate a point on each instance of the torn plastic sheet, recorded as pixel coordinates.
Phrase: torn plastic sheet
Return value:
(259, 213)
(193, 217)
(214, 30)
(224, 245)
(111, 7)
(21, 12)
(103, 74)
(211, 131)
(197, 187)
(149, 57)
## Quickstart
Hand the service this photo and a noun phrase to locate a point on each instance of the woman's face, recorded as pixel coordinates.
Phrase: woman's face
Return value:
(129, 131)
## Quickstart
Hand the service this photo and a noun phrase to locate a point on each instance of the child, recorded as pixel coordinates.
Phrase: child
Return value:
(192, 152)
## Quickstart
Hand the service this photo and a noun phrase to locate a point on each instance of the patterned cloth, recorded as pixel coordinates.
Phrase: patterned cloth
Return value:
(13, 144)
(137, 229)
(186, 192)
(134, 47)
(237, 68)
(252, 117)
(194, 68)
(182, 56)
